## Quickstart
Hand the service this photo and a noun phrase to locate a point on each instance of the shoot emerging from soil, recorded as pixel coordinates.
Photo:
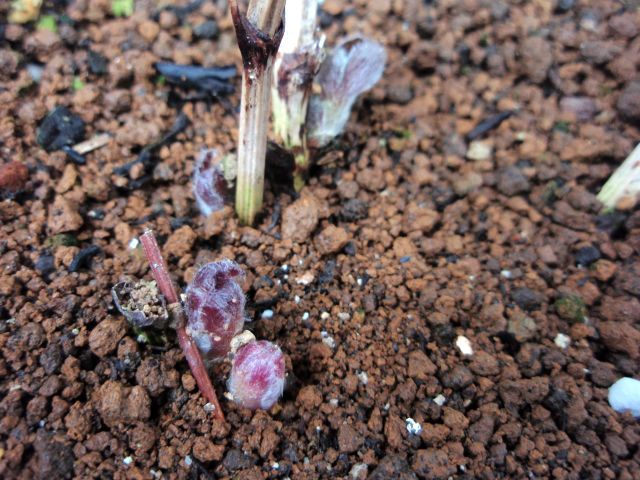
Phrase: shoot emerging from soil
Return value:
(259, 33)
(215, 308)
(624, 183)
(354, 66)
(209, 184)
(257, 375)
(210, 324)
(167, 289)
(296, 65)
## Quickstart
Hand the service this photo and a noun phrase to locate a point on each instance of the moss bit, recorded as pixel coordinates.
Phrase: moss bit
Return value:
(571, 308)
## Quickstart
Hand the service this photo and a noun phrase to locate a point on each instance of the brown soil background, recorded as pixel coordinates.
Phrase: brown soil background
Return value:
(406, 237)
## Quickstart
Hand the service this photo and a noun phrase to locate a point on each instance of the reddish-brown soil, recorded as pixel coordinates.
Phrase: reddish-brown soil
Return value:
(408, 236)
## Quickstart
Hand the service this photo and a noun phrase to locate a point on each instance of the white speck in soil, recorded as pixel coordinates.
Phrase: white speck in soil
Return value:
(363, 377)
(506, 274)
(133, 243)
(439, 400)
(305, 316)
(127, 460)
(328, 340)
(358, 469)
(267, 314)
(209, 407)
(296, 299)
(562, 340)
(413, 427)
(188, 461)
(464, 345)
(325, 315)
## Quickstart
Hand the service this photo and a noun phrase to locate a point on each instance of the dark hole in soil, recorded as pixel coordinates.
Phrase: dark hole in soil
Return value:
(510, 344)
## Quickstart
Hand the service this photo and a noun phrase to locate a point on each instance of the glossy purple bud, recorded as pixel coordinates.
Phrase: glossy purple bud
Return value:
(209, 184)
(257, 375)
(215, 307)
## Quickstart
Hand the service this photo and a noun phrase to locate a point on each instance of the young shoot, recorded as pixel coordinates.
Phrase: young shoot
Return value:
(160, 274)
(296, 64)
(354, 66)
(258, 33)
(257, 375)
(624, 183)
(210, 323)
(209, 184)
(215, 308)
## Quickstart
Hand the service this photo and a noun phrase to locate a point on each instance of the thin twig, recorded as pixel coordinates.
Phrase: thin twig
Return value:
(191, 353)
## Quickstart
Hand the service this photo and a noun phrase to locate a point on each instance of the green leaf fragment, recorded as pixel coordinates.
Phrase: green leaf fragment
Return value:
(47, 22)
(122, 8)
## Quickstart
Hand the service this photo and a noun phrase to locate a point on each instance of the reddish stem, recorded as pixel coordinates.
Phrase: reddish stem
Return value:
(159, 268)
(191, 353)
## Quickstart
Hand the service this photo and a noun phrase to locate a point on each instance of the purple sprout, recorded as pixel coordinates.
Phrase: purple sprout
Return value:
(209, 184)
(354, 66)
(215, 308)
(257, 375)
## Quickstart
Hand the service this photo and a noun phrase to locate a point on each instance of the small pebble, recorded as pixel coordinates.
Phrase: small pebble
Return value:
(478, 151)
(207, 30)
(587, 255)
(127, 460)
(267, 314)
(624, 396)
(363, 377)
(413, 427)
(439, 400)
(464, 345)
(562, 340)
(328, 340)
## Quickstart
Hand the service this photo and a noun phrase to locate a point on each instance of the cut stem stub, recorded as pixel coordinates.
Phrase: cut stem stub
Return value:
(167, 289)
(259, 33)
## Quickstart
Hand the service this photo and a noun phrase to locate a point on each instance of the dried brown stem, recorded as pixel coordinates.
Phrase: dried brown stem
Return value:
(176, 311)
(259, 34)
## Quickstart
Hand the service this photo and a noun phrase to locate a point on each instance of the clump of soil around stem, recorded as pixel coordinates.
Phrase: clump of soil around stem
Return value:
(459, 203)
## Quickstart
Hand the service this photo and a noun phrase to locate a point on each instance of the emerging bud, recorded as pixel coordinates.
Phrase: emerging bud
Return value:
(257, 375)
(215, 307)
(209, 184)
(352, 68)
(624, 184)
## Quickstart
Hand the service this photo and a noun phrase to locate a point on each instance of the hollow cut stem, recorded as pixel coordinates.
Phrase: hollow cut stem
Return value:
(258, 33)
(160, 274)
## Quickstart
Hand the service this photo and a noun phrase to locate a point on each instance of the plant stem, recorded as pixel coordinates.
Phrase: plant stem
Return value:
(191, 353)
(258, 34)
(296, 65)
(625, 181)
